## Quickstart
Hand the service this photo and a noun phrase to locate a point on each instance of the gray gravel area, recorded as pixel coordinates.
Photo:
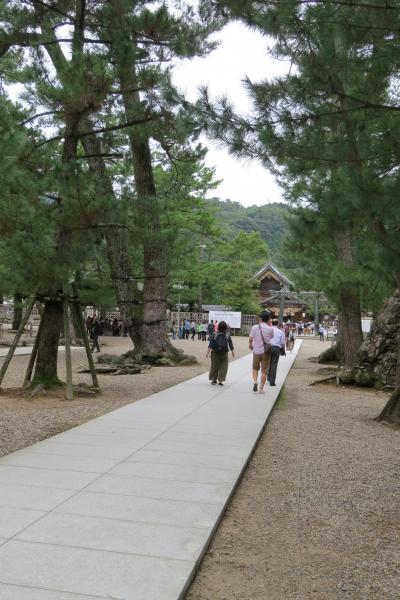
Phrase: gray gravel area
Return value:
(317, 513)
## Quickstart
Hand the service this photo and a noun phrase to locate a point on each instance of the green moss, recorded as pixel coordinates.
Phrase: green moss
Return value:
(48, 382)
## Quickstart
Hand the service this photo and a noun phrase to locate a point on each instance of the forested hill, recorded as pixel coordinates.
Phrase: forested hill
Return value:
(268, 219)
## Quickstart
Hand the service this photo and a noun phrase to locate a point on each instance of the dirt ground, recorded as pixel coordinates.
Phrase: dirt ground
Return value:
(24, 422)
(317, 513)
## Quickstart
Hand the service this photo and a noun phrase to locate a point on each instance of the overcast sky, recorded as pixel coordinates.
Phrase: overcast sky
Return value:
(241, 52)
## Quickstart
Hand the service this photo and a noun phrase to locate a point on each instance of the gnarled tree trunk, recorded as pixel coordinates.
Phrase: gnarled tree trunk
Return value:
(377, 357)
(391, 410)
(47, 356)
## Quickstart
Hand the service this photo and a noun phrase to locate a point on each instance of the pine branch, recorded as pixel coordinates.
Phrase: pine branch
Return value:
(96, 131)
(53, 8)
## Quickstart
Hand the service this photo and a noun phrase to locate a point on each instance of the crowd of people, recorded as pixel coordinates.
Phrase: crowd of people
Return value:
(184, 330)
(97, 326)
(268, 340)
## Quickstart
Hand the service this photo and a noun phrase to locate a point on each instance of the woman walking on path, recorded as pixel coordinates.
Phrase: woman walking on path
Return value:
(219, 346)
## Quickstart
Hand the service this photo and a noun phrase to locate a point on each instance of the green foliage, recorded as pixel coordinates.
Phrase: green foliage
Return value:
(269, 220)
(327, 129)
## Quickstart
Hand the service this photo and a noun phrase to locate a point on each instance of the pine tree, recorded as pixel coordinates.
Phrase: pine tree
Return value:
(141, 40)
(309, 130)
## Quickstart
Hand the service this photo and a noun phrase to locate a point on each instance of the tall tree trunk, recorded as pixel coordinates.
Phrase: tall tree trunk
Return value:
(46, 363)
(124, 284)
(47, 356)
(117, 239)
(349, 302)
(154, 336)
(18, 311)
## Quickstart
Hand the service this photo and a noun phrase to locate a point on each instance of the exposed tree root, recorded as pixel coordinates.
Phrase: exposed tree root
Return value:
(132, 363)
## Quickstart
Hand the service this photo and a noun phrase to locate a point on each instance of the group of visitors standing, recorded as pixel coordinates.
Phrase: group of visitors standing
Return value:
(191, 329)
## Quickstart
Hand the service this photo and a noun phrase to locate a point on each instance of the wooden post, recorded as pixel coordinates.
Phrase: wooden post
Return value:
(32, 357)
(281, 306)
(85, 336)
(13, 346)
(68, 362)
(316, 314)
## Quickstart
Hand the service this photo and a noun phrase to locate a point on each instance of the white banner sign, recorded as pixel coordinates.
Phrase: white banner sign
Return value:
(233, 319)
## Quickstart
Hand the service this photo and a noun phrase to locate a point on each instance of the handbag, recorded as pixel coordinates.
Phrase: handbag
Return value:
(267, 345)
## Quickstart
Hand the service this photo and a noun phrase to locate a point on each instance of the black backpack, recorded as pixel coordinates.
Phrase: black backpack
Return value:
(220, 343)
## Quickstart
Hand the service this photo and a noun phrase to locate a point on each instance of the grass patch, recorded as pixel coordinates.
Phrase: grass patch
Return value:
(282, 399)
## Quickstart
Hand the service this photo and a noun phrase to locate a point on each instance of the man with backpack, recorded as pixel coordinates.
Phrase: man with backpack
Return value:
(260, 343)
(219, 346)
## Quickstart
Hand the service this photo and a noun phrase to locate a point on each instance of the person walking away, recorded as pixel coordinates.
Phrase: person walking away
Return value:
(187, 329)
(292, 337)
(321, 333)
(210, 329)
(219, 346)
(89, 324)
(198, 330)
(193, 329)
(95, 334)
(277, 349)
(203, 331)
(114, 327)
(174, 329)
(259, 340)
(286, 330)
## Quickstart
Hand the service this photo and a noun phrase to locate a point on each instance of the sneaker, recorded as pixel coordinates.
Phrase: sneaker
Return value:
(213, 383)
(261, 391)
(220, 383)
(272, 383)
(255, 387)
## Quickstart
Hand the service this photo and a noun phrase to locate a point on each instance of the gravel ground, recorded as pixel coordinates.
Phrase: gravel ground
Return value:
(24, 422)
(316, 515)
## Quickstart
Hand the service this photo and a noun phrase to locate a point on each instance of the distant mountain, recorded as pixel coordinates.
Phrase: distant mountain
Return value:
(268, 219)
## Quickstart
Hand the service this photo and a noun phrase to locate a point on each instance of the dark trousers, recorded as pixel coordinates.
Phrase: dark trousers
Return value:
(219, 366)
(273, 365)
(95, 340)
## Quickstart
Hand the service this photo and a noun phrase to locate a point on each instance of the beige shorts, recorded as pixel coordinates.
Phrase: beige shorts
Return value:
(261, 360)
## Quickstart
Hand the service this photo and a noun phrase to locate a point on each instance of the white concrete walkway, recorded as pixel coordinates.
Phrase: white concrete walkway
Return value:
(124, 506)
(24, 350)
